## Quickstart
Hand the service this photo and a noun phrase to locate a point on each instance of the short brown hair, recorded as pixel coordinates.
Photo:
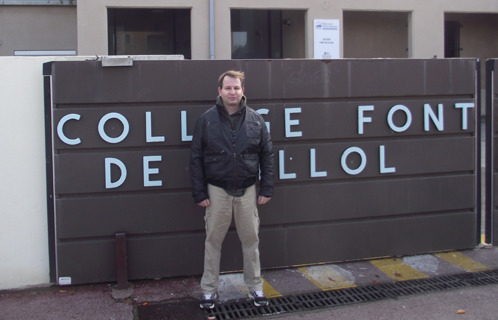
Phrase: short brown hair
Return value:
(233, 74)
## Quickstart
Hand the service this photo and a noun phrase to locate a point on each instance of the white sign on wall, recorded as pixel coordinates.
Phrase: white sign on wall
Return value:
(326, 39)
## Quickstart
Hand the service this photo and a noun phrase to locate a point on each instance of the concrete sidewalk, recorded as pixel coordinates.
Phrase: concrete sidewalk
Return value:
(102, 301)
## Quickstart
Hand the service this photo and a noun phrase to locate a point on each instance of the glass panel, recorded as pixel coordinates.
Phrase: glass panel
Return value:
(451, 39)
(256, 34)
(149, 31)
(276, 34)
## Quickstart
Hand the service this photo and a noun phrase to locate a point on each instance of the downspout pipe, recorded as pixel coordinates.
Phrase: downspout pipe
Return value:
(211, 29)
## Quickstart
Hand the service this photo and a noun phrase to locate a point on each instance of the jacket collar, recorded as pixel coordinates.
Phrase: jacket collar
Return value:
(221, 107)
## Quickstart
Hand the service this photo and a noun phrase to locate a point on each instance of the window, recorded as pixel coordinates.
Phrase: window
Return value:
(149, 31)
(256, 34)
(375, 34)
(268, 34)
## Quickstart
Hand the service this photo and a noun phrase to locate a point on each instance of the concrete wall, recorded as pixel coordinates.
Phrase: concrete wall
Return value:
(23, 231)
(37, 28)
(24, 257)
(425, 20)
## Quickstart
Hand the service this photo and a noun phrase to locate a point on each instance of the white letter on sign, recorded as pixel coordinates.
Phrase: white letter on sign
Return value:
(383, 168)
(408, 118)
(361, 118)
(360, 167)
(289, 123)
(148, 130)
(115, 115)
(464, 107)
(264, 111)
(148, 171)
(60, 129)
(281, 162)
(313, 172)
(185, 136)
(108, 183)
(438, 121)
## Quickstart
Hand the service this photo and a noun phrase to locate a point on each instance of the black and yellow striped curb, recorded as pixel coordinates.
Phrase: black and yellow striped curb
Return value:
(326, 277)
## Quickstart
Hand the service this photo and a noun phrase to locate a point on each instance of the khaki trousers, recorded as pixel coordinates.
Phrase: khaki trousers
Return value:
(218, 218)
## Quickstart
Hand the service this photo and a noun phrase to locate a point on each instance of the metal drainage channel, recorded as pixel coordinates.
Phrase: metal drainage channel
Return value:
(340, 297)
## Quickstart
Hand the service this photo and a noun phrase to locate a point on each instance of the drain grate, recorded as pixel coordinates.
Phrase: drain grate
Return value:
(185, 309)
(300, 302)
(334, 298)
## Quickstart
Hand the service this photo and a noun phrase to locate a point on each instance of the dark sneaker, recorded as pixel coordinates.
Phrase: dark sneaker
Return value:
(259, 298)
(207, 301)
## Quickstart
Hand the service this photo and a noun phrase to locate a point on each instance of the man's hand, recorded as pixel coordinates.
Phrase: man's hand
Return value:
(263, 200)
(204, 203)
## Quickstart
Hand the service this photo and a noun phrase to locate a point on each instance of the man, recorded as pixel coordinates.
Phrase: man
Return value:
(230, 145)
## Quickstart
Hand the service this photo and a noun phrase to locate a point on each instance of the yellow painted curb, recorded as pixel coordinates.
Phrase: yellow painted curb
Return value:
(326, 277)
(461, 261)
(398, 270)
(269, 291)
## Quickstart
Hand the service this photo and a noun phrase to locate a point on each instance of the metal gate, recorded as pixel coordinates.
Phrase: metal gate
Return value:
(372, 158)
(491, 227)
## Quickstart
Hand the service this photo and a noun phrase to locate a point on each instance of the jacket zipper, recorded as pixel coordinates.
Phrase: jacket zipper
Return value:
(235, 166)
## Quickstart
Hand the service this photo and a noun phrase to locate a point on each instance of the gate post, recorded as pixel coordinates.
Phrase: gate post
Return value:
(490, 224)
(121, 261)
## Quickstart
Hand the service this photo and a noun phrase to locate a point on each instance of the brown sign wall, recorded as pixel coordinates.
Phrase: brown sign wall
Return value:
(372, 158)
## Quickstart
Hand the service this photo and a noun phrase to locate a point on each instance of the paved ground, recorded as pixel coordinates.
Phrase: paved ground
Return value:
(102, 301)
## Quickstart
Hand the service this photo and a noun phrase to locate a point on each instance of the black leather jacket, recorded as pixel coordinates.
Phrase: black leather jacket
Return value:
(232, 164)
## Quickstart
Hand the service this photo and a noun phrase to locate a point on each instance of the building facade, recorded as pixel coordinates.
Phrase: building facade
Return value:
(259, 29)
(38, 27)
(284, 28)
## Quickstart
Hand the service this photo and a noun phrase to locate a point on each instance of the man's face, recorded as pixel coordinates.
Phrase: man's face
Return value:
(231, 93)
